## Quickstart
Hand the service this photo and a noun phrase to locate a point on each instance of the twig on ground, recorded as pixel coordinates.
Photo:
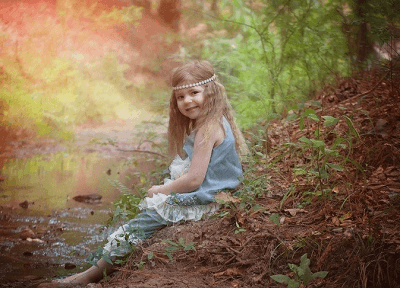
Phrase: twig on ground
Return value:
(369, 91)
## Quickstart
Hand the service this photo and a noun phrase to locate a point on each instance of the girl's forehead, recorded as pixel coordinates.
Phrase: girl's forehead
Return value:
(188, 90)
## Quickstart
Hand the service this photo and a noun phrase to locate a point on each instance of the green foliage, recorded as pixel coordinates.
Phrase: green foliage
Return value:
(97, 254)
(106, 277)
(239, 229)
(140, 265)
(221, 214)
(173, 246)
(253, 187)
(322, 152)
(303, 274)
(379, 14)
(321, 157)
(126, 207)
(275, 218)
(274, 54)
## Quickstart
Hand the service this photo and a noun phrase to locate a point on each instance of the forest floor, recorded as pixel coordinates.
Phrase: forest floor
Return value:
(350, 230)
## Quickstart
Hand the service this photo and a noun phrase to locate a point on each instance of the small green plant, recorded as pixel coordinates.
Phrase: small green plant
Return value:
(324, 153)
(221, 214)
(98, 254)
(173, 246)
(239, 229)
(253, 188)
(126, 207)
(106, 277)
(316, 149)
(303, 274)
(140, 265)
(275, 218)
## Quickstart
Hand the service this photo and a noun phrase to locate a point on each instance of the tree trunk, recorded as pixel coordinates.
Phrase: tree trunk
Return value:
(363, 43)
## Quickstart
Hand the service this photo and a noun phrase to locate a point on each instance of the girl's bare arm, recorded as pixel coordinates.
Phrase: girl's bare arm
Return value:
(198, 168)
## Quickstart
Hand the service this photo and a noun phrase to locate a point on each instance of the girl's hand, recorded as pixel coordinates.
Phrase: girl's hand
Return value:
(154, 190)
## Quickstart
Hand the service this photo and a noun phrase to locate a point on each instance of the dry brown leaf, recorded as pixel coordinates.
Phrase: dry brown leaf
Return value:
(225, 197)
(230, 272)
(335, 221)
(346, 223)
(235, 284)
(294, 211)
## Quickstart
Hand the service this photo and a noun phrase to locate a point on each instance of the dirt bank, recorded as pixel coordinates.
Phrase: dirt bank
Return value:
(351, 231)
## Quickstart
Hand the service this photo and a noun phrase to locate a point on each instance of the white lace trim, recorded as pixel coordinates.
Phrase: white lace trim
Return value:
(174, 212)
(178, 167)
(118, 245)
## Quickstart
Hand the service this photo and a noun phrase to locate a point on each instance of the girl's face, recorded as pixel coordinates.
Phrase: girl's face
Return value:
(190, 101)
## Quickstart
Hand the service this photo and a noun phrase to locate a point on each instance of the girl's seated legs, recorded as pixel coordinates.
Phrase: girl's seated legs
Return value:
(138, 228)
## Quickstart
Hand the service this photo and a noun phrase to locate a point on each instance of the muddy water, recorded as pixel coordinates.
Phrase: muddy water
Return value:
(42, 228)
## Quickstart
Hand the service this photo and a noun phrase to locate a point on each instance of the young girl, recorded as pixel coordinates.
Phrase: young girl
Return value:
(202, 131)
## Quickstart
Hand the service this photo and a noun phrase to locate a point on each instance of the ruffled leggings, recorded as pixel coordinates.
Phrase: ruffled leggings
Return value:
(136, 230)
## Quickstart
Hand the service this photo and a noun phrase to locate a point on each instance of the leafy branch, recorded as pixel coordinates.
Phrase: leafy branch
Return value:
(303, 274)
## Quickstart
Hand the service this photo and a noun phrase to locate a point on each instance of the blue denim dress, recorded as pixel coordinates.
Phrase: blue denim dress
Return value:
(223, 172)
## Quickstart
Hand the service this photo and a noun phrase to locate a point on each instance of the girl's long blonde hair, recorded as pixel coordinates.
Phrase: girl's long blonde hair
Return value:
(216, 105)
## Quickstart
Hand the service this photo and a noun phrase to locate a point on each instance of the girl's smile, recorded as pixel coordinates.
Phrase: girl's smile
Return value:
(190, 101)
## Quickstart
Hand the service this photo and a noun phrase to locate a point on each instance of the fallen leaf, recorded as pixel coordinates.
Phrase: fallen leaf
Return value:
(294, 211)
(345, 217)
(230, 272)
(235, 284)
(225, 197)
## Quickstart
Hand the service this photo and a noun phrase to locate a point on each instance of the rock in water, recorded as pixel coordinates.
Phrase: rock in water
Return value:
(26, 204)
(26, 233)
(88, 199)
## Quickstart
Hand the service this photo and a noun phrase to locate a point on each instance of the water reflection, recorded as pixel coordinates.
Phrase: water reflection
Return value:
(50, 182)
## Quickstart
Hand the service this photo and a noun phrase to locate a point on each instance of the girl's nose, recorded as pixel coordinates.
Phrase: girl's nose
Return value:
(187, 99)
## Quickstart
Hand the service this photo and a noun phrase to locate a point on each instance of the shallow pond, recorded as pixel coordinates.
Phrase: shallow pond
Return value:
(42, 228)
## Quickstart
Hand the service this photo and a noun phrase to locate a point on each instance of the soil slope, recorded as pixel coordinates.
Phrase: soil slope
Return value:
(351, 231)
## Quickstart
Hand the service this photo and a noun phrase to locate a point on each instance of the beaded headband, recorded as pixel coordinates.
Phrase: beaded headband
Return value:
(212, 78)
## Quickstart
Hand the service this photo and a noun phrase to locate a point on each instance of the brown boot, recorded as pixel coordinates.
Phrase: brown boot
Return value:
(92, 275)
